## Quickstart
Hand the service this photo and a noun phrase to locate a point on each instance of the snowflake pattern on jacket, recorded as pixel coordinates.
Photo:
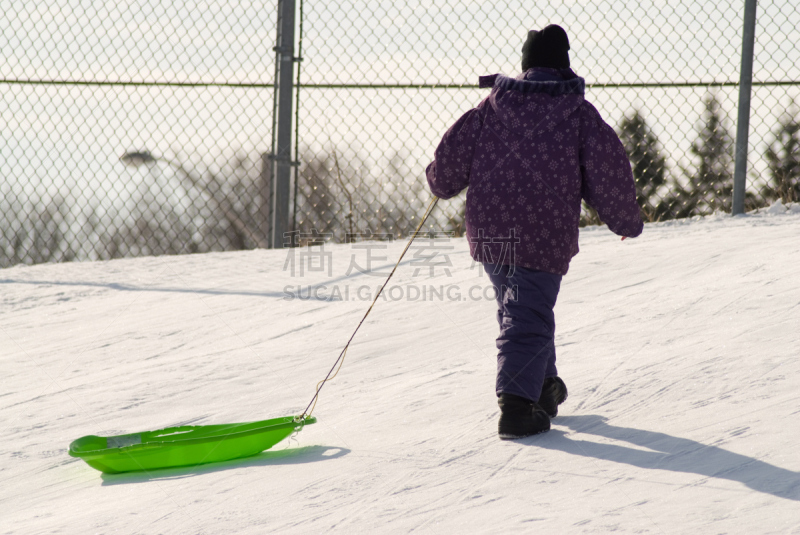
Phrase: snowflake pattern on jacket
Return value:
(529, 153)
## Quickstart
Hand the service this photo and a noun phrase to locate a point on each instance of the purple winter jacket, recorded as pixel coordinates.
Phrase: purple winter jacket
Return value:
(529, 153)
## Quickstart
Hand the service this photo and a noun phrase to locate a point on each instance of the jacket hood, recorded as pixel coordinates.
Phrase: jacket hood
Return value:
(537, 100)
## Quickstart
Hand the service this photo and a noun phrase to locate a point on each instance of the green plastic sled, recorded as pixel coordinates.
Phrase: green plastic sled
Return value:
(183, 446)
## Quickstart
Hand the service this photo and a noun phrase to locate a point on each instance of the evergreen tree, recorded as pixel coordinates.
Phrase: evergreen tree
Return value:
(783, 158)
(647, 162)
(710, 183)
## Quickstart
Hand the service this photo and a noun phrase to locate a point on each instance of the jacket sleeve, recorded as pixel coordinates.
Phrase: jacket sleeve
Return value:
(607, 181)
(448, 173)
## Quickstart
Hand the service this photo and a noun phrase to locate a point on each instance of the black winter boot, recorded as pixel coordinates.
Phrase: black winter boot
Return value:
(554, 393)
(520, 417)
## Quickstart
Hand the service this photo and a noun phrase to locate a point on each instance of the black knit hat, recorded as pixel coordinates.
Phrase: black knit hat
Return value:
(546, 48)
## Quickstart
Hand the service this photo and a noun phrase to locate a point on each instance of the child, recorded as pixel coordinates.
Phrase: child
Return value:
(529, 153)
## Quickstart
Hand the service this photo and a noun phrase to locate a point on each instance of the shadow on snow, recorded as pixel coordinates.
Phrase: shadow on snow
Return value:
(310, 288)
(307, 454)
(668, 452)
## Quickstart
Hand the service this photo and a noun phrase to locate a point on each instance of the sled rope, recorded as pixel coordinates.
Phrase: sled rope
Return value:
(340, 361)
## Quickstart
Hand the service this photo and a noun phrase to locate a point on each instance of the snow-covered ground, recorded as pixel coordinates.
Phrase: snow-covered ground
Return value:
(680, 349)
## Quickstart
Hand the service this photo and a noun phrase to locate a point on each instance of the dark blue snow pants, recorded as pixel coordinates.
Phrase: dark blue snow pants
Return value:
(526, 351)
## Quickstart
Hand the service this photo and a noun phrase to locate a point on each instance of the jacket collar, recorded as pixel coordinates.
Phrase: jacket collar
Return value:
(570, 83)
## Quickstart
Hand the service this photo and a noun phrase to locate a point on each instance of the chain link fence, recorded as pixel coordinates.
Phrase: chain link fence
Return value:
(384, 80)
(131, 129)
(149, 128)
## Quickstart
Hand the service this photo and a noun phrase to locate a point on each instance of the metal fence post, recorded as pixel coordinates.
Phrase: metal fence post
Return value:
(265, 189)
(284, 58)
(743, 122)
